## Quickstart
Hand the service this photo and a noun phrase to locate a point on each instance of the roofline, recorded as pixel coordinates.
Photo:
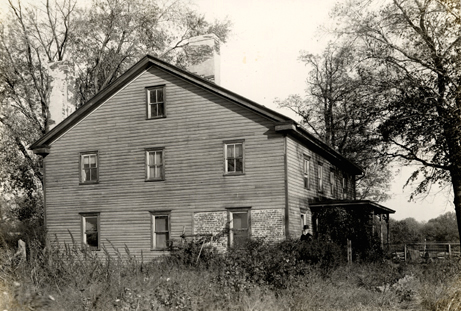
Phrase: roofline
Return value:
(350, 203)
(143, 64)
(298, 131)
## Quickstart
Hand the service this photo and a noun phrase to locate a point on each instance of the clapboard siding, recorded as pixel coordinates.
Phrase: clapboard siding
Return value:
(298, 196)
(192, 136)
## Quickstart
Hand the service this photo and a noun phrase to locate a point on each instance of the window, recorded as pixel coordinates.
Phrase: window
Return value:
(233, 153)
(154, 164)
(344, 184)
(89, 167)
(320, 177)
(90, 230)
(160, 230)
(156, 102)
(306, 170)
(303, 219)
(239, 227)
(332, 182)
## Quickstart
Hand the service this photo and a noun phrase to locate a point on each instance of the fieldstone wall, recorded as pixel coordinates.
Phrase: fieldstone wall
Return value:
(212, 223)
(268, 223)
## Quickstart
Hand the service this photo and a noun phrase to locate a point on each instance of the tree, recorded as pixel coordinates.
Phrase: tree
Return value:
(406, 231)
(414, 46)
(337, 108)
(102, 41)
(441, 229)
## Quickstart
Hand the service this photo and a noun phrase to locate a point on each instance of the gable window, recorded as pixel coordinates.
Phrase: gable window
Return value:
(155, 102)
(239, 226)
(154, 164)
(320, 177)
(233, 154)
(160, 230)
(332, 182)
(90, 230)
(306, 170)
(89, 167)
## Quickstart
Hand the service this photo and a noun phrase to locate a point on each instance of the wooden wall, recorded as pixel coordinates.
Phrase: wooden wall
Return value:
(192, 134)
(298, 196)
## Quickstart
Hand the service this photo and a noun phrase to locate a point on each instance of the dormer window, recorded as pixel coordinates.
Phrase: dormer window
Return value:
(156, 102)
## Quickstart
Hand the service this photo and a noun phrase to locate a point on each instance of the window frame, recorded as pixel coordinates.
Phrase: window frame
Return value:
(83, 217)
(345, 186)
(153, 237)
(81, 172)
(306, 171)
(149, 105)
(148, 151)
(320, 177)
(333, 181)
(239, 210)
(226, 168)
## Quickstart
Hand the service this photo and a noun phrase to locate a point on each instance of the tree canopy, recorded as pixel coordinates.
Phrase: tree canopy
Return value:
(413, 47)
(101, 40)
(338, 107)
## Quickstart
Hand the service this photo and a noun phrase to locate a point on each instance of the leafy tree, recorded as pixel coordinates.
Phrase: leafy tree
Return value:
(414, 45)
(337, 107)
(406, 231)
(102, 40)
(441, 229)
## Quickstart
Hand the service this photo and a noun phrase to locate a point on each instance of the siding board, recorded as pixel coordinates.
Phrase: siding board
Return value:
(192, 134)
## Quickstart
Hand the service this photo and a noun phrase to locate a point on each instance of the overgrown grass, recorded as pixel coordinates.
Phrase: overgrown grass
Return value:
(261, 276)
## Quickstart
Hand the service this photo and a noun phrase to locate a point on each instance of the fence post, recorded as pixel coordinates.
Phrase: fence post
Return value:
(449, 250)
(349, 251)
(405, 252)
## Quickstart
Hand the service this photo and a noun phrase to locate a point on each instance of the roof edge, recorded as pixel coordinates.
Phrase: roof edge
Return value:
(143, 64)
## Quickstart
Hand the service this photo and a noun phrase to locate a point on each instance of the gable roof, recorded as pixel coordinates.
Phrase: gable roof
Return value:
(149, 61)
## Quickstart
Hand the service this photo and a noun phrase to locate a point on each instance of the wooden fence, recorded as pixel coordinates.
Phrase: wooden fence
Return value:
(417, 251)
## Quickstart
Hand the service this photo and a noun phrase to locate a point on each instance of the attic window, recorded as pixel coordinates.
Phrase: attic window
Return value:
(89, 167)
(155, 102)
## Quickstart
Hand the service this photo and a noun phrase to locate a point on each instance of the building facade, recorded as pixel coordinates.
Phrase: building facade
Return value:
(162, 153)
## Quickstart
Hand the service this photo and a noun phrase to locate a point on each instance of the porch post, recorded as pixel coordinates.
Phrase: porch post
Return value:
(388, 231)
(381, 230)
(372, 223)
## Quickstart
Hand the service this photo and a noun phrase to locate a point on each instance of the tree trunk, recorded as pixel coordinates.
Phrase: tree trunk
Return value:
(456, 181)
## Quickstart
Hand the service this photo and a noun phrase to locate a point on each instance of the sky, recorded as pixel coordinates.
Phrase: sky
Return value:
(260, 62)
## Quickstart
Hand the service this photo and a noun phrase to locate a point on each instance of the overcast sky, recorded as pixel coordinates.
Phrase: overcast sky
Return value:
(260, 62)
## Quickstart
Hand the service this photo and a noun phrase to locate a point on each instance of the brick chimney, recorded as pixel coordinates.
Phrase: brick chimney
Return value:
(62, 97)
(209, 68)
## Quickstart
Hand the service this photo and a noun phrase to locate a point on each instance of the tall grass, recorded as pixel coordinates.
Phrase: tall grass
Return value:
(260, 276)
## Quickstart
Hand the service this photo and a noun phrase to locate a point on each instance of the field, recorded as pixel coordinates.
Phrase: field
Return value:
(261, 276)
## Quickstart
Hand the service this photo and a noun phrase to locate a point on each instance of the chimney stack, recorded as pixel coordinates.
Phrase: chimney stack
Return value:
(209, 68)
(62, 97)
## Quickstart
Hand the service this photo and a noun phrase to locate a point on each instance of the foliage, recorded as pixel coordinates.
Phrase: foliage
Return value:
(100, 41)
(406, 231)
(71, 278)
(337, 107)
(413, 48)
(442, 229)
(340, 224)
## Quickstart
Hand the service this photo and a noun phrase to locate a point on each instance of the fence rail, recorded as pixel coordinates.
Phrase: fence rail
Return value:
(415, 251)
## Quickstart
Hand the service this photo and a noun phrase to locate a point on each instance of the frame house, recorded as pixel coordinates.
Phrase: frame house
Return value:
(163, 152)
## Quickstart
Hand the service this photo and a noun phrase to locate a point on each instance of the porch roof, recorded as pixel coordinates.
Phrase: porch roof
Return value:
(378, 209)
